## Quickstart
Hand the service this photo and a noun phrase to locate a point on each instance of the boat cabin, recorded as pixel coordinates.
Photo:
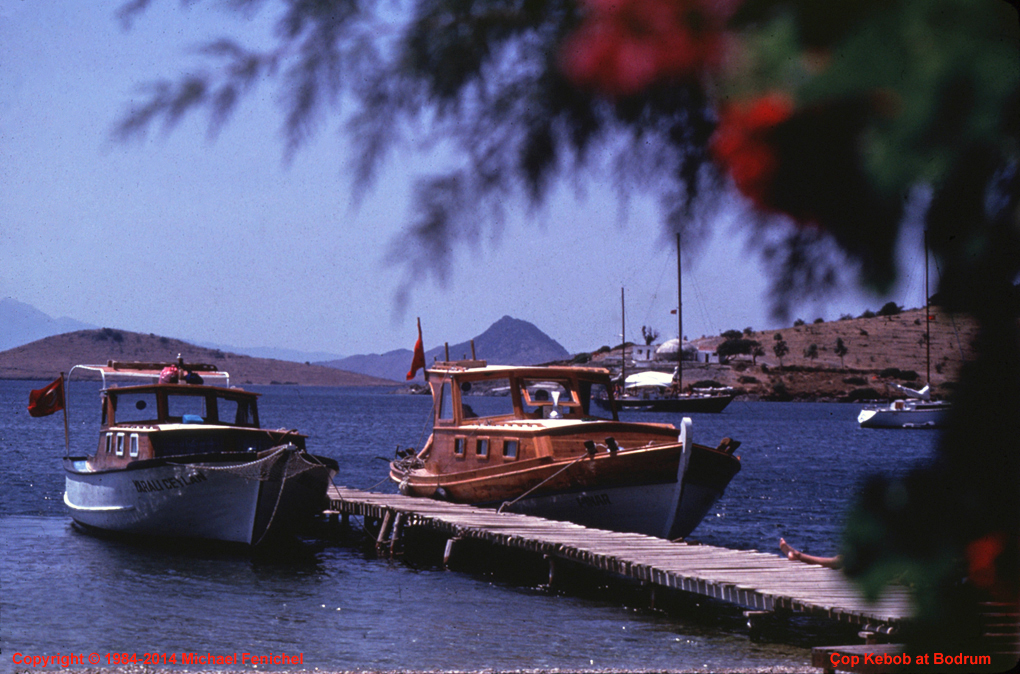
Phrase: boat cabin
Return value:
(167, 418)
(507, 393)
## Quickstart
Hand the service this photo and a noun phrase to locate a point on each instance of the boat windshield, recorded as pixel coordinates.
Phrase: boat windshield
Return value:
(549, 397)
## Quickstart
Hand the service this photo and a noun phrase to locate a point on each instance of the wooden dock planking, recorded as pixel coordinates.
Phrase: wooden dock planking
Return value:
(748, 578)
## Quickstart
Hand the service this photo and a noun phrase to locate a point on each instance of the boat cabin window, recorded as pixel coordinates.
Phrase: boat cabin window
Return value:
(134, 407)
(458, 446)
(485, 399)
(510, 449)
(234, 412)
(109, 443)
(482, 447)
(550, 398)
(187, 408)
(445, 412)
(120, 444)
(133, 447)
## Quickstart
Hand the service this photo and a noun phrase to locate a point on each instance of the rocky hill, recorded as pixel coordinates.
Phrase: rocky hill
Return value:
(881, 349)
(46, 358)
(508, 341)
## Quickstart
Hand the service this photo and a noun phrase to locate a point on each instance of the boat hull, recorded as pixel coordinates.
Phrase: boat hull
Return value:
(246, 502)
(709, 404)
(933, 417)
(657, 492)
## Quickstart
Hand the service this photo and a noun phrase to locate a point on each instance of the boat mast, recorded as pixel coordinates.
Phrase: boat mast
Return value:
(623, 341)
(927, 314)
(679, 323)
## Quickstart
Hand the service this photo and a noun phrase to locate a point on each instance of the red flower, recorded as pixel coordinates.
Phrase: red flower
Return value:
(623, 46)
(981, 556)
(743, 143)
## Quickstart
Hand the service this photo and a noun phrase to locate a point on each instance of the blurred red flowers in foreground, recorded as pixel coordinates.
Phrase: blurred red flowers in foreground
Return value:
(744, 144)
(623, 46)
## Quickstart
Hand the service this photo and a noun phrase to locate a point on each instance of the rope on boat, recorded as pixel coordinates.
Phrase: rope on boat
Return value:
(587, 455)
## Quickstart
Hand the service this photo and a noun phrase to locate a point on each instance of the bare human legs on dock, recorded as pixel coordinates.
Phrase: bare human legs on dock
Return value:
(797, 556)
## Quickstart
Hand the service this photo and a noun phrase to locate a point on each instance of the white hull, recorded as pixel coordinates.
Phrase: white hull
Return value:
(647, 509)
(909, 417)
(237, 503)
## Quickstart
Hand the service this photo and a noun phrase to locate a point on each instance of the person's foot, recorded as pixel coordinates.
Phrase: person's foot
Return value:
(791, 554)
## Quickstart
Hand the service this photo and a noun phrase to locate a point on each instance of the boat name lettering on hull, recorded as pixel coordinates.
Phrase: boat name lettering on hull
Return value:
(144, 486)
(587, 500)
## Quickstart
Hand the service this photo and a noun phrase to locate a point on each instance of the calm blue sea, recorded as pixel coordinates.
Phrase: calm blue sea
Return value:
(62, 591)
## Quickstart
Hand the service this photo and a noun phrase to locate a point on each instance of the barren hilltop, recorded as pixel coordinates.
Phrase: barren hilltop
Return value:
(47, 358)
(880, 349)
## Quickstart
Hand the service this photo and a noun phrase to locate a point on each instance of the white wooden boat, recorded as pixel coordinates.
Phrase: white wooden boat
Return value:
(189, 460)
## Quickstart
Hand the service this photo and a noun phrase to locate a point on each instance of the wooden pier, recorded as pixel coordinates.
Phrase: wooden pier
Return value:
(756, 581)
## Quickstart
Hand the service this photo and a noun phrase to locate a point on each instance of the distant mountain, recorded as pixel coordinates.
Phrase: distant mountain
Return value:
(508, 341)
(22, 323)
(46, 358)
(276, 353)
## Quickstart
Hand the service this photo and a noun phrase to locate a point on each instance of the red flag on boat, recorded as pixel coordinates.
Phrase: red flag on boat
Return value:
(418, 360)
(45, 401)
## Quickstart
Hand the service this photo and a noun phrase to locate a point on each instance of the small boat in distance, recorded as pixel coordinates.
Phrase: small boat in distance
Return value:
(652, 391)
(534, 445)
(641, 392)
(915, 411)
(180, 457)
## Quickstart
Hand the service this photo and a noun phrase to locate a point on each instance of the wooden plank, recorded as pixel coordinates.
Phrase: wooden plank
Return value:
(750, 578)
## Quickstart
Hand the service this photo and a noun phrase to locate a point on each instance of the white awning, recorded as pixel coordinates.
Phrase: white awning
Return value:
(649, 378)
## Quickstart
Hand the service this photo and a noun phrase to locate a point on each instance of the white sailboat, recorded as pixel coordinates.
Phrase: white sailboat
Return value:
(917, 410)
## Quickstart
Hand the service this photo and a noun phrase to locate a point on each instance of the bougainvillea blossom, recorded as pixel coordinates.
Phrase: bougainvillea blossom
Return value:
(624, 46)
(744, 144)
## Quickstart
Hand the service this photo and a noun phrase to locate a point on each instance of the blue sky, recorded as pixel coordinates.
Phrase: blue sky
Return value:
(220, 240)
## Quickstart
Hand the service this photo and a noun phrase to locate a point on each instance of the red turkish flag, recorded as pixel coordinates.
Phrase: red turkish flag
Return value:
(45, 401)
(418, 360)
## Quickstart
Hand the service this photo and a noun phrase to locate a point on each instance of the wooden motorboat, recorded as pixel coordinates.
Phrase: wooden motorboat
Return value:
(182, 457)
(526, 439)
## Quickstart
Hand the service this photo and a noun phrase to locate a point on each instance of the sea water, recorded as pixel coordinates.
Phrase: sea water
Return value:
(69, 593)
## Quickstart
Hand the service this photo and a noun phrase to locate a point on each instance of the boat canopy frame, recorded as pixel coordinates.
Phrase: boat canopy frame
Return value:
(135, 370)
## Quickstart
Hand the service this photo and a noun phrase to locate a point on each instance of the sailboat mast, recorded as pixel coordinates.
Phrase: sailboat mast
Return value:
(623, 340)
(927, 314)
(679, 322)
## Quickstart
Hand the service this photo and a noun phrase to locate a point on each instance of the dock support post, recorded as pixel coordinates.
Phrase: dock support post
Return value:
(383, 530)
(756, 622)
(398, 524)
(448, 551)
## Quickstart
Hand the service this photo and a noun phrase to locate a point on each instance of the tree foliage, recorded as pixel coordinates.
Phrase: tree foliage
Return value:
(827, 118)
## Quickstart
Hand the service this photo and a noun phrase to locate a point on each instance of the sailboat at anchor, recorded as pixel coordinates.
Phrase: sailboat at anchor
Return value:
(661, 392)
(917, 410)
